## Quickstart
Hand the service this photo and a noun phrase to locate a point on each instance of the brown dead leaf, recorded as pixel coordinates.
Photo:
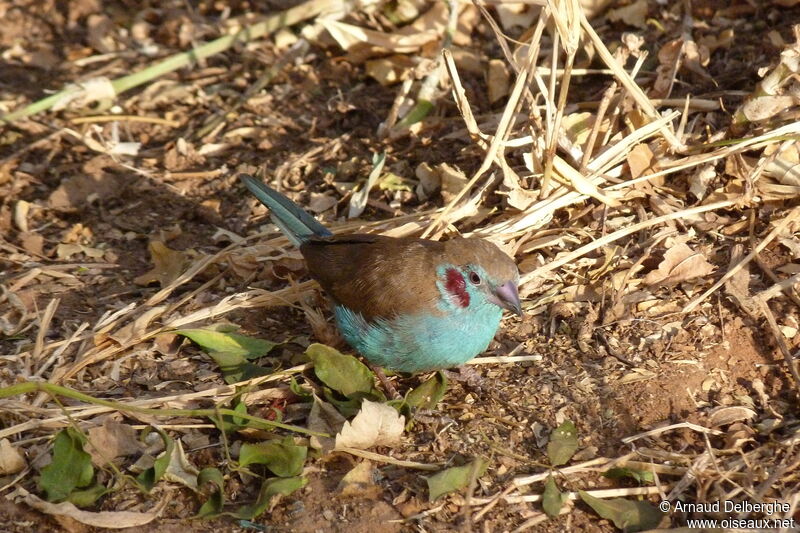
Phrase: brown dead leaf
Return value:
(522, 199)
(634, 14)
(33, 243)
(324, 418)
(167, 343)
(725, 415)
(101, 33)
(429, 180)
(180, 469)
(134, 331)
(321, 202)
(111, 440)
(737, 435)
(680, 263)
(516, 15)
(390, 70)
(103, 519)
(11, 460)
(453, 180)
(498, 80)
(468, 61)
(21, 211)
(377, 424)
(360, 481)
(66, 251)
(641, 160)
(349, 36)
(763, 107)
(168, 265)
(93, 183)
(701, 179)
(784, 166)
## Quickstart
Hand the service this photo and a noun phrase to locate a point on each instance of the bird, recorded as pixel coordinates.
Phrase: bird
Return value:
(405, 304)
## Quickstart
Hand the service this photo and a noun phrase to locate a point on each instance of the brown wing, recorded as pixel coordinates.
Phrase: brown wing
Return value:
(374, 275)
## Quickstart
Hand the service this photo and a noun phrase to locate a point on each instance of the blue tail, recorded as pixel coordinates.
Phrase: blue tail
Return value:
(290, 218)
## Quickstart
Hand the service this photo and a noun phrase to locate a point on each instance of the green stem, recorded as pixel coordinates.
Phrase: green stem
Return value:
(271, 24)
(57, 390)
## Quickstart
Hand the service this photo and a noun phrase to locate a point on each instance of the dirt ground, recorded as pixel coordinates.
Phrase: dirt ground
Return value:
(91, 221)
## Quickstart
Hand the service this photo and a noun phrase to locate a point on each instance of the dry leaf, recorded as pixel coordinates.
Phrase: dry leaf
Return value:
(429, 180)
(112, 440)
(321, 202)
(136, 329)
(737, 435)
(763, 107)
(11, 460)
(180, 469)
(640, 160)
(348, 36)
(522, 199)
(453, 180)
(634, 14)
(21, 210)
(32, 243)
(784, 167)
(324, 418)
(168, 265)
(377, 424)
(700, 180)
(389, 70)
(359, 480)
(93, 183)
(680, 263)
(65, 251)
(722, 416)
(468, 61)
(107, 519)
(513, 14)
(498, 80)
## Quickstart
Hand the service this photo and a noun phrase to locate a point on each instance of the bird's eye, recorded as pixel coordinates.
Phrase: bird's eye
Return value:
(474, 278)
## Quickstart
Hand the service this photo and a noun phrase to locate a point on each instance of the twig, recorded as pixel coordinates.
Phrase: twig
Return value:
(768, 239)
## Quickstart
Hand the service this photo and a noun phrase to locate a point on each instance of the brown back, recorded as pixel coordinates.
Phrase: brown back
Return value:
(380, 276)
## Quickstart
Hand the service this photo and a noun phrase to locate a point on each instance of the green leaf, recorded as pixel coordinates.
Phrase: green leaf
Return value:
(455, 478)
(348, 408)
(87, 497)
(228, 342)
(343, 373)
(71, 466)
(283, 457)
(552, 499)
(627, 515)
(417, 113)
(430, 393)
(148, 478)
(563, 443)
(393, 182)
(300, 391)
(231, 351)
(236, 368)
(641, 476)
(269, 489)
(213, 505)
(228, 423)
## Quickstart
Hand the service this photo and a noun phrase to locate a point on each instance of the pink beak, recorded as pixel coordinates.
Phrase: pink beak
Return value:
(507, 297)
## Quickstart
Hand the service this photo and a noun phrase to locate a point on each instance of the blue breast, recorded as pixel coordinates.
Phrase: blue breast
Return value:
(417, 343)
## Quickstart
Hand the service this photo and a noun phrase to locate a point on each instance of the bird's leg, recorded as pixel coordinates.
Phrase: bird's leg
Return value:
(387, 385)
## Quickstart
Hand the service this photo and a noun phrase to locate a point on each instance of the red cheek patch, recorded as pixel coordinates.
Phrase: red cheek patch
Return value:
(456, 286)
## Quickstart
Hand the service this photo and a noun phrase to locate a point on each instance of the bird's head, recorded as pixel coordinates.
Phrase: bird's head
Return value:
(477, 271)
